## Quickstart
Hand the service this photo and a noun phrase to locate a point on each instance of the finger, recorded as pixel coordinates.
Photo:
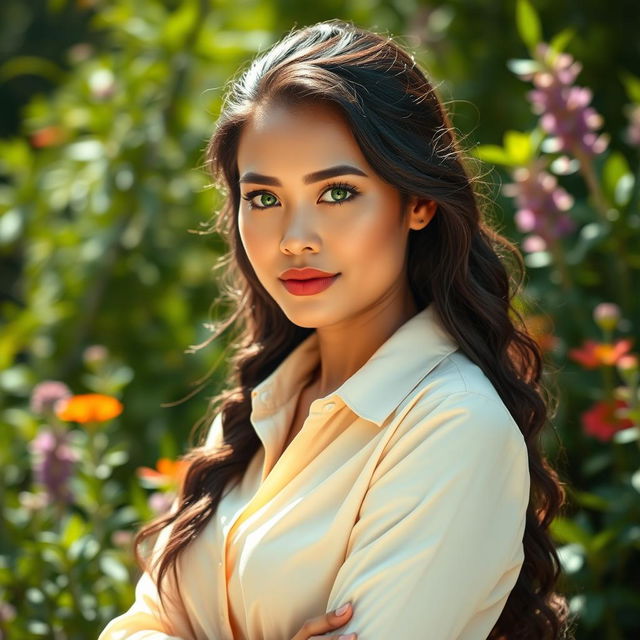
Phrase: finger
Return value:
(323, 623)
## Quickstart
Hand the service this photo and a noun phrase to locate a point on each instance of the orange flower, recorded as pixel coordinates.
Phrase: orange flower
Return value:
(168, 473)
(594, 354)
(89, 407)
(47, 137)
(540, 328)
(601, 422)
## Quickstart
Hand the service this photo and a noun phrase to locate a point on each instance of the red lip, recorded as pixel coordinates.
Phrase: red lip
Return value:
(310, 286)
(307, 273)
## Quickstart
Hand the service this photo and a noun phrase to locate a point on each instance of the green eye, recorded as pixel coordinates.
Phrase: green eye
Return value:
(267, 199)
(338, 193)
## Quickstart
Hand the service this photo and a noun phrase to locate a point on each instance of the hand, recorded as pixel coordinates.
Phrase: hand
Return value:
(322, 624)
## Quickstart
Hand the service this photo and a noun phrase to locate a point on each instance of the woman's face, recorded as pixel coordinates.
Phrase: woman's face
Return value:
(349, 222)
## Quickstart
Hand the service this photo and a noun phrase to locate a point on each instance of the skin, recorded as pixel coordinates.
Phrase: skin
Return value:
(364, 238)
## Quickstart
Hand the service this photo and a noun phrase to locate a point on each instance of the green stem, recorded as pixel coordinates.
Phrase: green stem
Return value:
(590, 177)
(608, 383)
(602, 207)
(96, 510)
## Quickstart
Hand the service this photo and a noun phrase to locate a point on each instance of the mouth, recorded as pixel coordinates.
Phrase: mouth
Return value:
(310, 286)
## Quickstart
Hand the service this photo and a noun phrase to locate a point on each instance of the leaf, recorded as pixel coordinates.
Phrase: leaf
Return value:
(560, 41)
(116, 457)
(590, 500)
(492, 153)
(565, 530)
(73, 530)
(523, 66)
(617, 178)
(630, 434)
(32, 66)
(528, 23)
(602, 539)
(111, 566)
(518, 147)
(180, 25)
(590, 236)
(86, 547)
(631, 84)
(635, 480)
(571, 557)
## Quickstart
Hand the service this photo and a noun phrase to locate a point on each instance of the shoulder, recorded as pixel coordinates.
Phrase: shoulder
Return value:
(458, 405)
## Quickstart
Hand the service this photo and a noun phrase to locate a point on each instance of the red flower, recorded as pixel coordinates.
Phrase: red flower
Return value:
(594, 354)
(601, 422)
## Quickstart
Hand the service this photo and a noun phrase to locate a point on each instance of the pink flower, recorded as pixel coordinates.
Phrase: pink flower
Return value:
(45, 396)
(564, 110)
(160, 502)
(541, 204)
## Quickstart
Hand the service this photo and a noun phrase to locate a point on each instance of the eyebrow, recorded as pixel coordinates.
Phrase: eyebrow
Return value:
(316, 176)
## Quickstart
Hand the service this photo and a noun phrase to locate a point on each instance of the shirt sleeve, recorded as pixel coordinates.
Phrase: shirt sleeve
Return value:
(147, 619)
(437, 545)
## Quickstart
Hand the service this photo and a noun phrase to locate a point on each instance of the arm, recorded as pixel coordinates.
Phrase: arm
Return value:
(438, 546)
(146, 620)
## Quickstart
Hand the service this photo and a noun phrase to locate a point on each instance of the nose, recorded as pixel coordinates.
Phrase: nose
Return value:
(299, 234)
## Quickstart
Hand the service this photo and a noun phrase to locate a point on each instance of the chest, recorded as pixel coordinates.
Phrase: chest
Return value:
(299, 416)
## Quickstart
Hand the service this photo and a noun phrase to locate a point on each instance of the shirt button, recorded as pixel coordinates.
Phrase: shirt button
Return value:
(264, 396)
(329, 406)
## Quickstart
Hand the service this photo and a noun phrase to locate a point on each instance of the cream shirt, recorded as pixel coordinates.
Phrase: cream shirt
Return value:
(405, 493)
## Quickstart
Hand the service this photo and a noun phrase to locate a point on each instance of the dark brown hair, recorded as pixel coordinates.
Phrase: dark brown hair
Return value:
(457, 262)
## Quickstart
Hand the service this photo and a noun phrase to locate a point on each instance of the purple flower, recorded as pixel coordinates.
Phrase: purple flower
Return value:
(632, 133)
(52, 464)
(563, 108)
(160, 502)
(541, 203)
(46, 394)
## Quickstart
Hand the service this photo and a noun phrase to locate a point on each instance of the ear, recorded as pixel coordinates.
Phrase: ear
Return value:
(420, 212)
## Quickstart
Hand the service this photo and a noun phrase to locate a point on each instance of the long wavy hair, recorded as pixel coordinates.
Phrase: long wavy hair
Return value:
(457, 263)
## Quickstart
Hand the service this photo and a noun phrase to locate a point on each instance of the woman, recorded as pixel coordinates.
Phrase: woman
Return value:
(380, 447)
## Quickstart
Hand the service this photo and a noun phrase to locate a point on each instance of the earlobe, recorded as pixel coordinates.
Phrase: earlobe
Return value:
(421, 213)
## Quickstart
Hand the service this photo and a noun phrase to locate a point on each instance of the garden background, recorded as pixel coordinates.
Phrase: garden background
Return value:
(107, 282)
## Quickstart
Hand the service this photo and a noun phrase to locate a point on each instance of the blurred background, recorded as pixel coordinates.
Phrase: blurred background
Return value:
(107, 286)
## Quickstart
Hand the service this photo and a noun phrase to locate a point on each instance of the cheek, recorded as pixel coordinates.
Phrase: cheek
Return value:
(250, 237)
(379, 244)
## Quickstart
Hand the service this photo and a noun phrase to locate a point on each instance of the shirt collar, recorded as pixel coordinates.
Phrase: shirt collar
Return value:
(376, 389)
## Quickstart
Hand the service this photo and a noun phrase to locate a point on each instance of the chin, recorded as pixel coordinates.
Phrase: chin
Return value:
(309, 318)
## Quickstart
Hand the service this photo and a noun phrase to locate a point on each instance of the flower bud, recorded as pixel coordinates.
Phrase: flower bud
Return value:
(628, 368)
(607, 315)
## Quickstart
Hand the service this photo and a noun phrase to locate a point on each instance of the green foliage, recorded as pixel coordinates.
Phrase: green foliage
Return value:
(103, 200)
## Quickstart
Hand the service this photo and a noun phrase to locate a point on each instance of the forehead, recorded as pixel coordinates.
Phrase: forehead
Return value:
(301, 137)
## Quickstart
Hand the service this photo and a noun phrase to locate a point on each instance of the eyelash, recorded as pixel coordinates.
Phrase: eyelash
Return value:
(354, 191)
